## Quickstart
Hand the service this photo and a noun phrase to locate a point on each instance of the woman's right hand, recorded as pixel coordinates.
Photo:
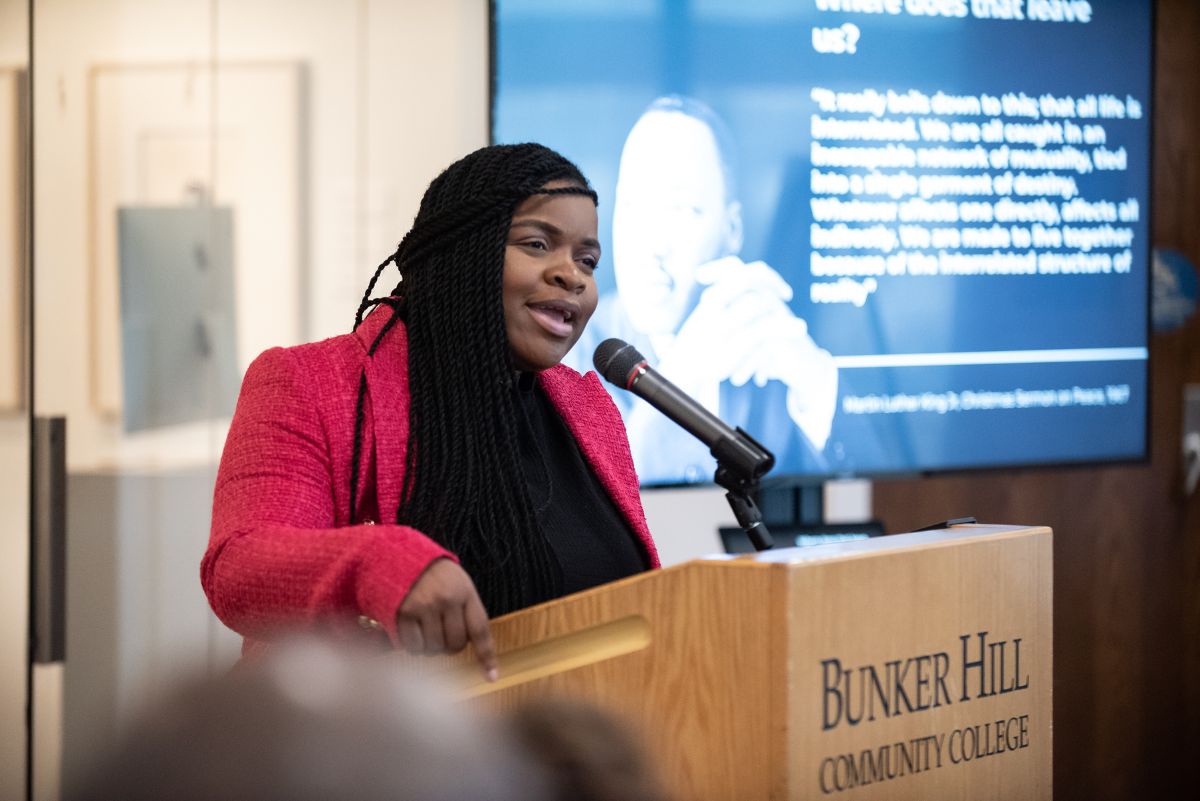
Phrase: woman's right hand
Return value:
(442, 613)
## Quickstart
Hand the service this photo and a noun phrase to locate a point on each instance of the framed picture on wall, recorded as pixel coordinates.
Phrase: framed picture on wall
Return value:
(188, 135)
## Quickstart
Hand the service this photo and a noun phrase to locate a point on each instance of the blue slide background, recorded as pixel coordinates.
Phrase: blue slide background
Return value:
(576, 76)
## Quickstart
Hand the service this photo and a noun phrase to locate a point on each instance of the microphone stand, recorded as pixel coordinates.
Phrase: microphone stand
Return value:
(741, 484)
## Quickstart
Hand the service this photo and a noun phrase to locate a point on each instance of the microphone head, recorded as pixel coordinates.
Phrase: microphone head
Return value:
(616, 359)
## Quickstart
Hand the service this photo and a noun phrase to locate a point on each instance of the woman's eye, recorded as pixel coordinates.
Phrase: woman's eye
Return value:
(537, 244)
(589, 261)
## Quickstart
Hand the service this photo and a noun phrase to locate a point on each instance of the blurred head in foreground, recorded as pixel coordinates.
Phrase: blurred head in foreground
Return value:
(311, 722)
(588, 754)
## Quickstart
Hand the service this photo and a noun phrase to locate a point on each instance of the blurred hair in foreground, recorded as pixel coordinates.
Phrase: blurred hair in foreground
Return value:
(314, 721)
(588, 754)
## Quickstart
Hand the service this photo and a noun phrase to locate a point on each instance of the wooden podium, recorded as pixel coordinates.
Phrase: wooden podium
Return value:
(914, 666)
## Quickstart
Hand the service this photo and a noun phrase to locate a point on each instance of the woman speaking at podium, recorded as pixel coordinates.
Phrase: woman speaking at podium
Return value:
(438, 464)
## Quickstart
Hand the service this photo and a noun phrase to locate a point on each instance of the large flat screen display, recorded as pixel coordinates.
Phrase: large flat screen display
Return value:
(882, 236)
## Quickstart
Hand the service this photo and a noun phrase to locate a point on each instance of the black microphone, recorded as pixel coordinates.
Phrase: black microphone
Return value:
(735, 450)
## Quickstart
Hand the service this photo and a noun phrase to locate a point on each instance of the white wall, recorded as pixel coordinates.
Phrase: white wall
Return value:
(684, 521)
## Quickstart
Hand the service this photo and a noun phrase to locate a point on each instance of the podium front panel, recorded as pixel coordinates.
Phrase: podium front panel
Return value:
(924, 671)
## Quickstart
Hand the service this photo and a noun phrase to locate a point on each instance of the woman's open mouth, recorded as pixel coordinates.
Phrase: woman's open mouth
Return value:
(556, 316)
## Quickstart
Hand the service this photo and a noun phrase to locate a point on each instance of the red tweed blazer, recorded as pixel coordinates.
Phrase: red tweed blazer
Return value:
(282, 550)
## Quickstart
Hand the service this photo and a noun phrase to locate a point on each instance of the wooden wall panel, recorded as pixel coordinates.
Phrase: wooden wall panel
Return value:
(1127, 544)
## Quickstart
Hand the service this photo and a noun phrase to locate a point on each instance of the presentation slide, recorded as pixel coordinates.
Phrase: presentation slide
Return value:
(882, 236)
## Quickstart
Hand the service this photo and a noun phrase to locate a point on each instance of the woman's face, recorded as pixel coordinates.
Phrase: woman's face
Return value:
(549, 290)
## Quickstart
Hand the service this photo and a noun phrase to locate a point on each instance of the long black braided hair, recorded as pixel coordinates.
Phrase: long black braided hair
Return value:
(463, 481)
